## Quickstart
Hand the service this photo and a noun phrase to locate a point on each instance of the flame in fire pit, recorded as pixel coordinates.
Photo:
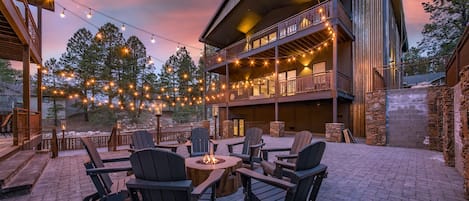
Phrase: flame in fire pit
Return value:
(209, 159)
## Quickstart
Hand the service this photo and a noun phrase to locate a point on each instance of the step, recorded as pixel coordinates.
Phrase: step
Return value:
(8, 151)
(24, 181)
(13, 164)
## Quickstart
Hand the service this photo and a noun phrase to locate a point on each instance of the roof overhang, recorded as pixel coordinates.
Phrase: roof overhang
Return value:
(46, 4)
(235, 19)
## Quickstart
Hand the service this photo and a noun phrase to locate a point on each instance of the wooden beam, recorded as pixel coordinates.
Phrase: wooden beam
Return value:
(26, 90)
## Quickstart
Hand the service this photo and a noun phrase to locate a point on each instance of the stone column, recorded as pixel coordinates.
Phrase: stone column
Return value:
(375, 122)
(334, 132)
(464, 131)
(227, 129)
(277, 128)
(447, 106)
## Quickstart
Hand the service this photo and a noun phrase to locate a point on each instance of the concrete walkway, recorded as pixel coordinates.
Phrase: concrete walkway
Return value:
(356, 172)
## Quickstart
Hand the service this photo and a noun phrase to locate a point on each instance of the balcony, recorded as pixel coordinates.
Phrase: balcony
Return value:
(284, 32)
(262, 90)
(17, 29)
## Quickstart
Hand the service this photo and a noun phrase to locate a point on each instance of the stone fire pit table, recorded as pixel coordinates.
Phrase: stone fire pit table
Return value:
(229, 183)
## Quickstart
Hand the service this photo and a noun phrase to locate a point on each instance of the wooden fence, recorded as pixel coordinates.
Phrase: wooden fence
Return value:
(74, 143)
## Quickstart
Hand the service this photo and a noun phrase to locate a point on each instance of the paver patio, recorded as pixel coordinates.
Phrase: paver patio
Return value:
(356, 172)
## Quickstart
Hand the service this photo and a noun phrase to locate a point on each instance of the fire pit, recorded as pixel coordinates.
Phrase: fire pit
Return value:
(198, 171)
(210, 160)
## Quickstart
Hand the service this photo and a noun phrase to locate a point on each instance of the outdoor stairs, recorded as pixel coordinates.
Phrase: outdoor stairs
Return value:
(20, 171)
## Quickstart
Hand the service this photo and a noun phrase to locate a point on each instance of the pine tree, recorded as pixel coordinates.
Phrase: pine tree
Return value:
(448, 21)
(7, 73)
(79, 60)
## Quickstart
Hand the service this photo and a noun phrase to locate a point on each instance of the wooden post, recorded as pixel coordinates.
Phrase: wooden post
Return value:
(54, 146)
(334, 76)
(158, 131)
(112, 142)
(26, 90)
(277, 91)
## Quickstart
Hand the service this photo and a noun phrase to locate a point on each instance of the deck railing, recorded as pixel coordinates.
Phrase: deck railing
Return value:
(311, 17)
(21, 133)
(29, 22)
(124, 138)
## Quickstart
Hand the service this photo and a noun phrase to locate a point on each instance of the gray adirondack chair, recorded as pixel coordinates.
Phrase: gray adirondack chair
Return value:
(161, 175)
(200, 142)
(251, 145)
(301, 140)
(144, 139)
(105, 187)
(304, 184)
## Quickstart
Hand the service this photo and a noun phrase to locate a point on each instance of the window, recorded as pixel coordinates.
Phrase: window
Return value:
(319, 75)
(272, 37)
(291, 29)
(304, 23)
(283, 33)
(256, 44)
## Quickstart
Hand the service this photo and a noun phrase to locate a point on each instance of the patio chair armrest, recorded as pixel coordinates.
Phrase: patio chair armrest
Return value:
(95, 171)
(215, 145)
(230, 146)
(172, 147)
(286, 156)
(212, 179)
(266, 179)
(111, 160)
(320, 169)
(253, 148)
(134, 183)
(265, 151)
(284, 164)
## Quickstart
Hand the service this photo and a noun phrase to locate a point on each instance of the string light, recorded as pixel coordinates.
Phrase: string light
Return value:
(89, 15)
(152, 40)
(123, 27)
(62, 14)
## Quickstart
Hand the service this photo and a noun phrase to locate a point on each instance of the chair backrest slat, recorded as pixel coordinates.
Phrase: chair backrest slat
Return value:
(302, 139)
(308, 158)
(200, 140)
(159, 165)
(253, 137)
(142, 139)
(96, 161)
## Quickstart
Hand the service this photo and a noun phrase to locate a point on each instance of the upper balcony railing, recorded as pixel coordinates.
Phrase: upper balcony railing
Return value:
(30, 24)
(288, 27)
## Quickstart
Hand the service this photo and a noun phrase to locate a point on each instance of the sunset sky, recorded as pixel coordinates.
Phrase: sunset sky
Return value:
(179, 20)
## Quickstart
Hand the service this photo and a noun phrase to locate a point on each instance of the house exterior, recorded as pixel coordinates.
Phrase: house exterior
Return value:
(20, 40)
(302, 63)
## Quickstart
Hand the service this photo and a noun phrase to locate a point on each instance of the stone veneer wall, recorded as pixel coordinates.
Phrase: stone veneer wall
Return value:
(446, 105)
(375, 122)
(464, 131)
(435, 101)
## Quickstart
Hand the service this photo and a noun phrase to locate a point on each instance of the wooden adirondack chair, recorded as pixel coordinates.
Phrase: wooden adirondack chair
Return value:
(302, 139)
(144, 139)
(161, 175)
(251, 145)
(199, 143)
(304, 184)
(106, 188)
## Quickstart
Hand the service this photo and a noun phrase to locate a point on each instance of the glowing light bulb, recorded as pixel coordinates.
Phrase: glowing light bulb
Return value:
(62, 14)
(123, 27)
(89, 15)
(152, 39)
